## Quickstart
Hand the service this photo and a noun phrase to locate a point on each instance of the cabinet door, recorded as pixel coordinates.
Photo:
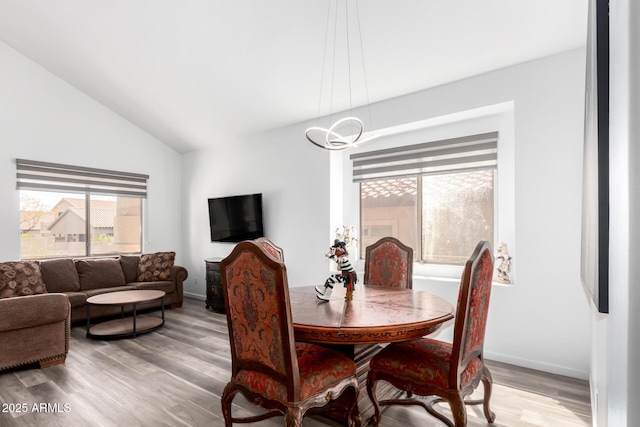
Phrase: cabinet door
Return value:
(215, 298)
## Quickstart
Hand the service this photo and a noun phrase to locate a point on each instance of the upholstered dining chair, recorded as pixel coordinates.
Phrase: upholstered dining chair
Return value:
(449, 371)
(267, 366)
(271, 248)
(389, 263)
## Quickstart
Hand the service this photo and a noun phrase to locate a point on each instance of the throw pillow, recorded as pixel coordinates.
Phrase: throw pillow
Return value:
(20, 278)
(156, 266)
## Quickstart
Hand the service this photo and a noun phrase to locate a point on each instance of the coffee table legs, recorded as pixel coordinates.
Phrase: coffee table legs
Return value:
(88, 319)
(135, 316)
(124, 326)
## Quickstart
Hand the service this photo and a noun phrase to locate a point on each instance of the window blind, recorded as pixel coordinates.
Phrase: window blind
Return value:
(43, 176)
(464, 153)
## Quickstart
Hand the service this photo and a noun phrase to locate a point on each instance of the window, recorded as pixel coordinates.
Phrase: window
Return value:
(437, 197)
(389, 207)
(76, 211)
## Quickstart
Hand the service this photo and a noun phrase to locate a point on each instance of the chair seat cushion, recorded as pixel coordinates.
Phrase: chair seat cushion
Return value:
(319, 367)
(423, 361)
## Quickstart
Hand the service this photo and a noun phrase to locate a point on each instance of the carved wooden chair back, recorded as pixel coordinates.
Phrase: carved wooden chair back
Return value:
(271, 248)
(471, 311)
(451, 371)
(268, 367)
(389, 263)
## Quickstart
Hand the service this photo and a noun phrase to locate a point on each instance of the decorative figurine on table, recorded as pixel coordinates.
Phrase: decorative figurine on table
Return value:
(347, 275)
(504, 263)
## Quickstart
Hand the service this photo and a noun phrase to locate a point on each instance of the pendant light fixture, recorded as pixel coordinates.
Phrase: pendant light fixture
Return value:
(348, 131)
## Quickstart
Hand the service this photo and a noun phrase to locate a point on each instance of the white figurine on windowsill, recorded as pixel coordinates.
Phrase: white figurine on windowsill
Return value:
(503, 260)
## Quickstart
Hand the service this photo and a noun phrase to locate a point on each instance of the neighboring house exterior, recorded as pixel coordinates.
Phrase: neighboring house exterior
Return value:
(63, 231)
(70, 217)
(69, 225)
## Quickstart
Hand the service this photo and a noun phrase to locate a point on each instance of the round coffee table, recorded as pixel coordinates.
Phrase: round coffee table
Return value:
(124, 326)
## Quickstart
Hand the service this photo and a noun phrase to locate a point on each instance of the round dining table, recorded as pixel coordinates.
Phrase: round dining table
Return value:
(355, 327)
(374, 315)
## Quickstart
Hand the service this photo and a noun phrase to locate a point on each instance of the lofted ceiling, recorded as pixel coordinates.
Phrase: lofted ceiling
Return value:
(195, 73)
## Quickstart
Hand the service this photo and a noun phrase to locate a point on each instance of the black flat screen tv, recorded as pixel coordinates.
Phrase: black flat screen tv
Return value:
(236, 218)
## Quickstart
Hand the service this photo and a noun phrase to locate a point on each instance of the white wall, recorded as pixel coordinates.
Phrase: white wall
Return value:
(291, 174)
(615, 374)
(43, 118)
(543, 320)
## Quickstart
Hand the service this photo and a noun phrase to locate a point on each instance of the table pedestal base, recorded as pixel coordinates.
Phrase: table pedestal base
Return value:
(362, 354)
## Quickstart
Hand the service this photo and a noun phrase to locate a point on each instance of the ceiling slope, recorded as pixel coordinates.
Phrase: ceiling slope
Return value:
(197, 73)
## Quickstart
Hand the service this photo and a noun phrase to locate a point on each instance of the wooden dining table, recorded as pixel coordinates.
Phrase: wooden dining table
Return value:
(374, 315)
(356, 327)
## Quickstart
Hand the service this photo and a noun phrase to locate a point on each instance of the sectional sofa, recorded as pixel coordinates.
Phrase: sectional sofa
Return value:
(82, 278)
(39, 300)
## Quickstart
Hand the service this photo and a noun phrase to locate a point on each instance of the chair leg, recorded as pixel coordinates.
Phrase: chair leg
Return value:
(459, 410)
(487, 381)
(225, 400)
(371, 391)
(353, 416)
(293, 417)
(429, 406)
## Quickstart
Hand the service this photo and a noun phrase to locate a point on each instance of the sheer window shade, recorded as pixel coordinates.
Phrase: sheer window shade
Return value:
(43, 176)
(450, 155)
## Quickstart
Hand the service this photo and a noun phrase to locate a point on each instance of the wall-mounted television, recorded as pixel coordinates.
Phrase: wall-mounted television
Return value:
(236, 218)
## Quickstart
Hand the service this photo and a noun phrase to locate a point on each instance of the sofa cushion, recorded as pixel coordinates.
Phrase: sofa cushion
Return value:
(155, 266)
(20, 278)
(129, 264)
(166, 286)
(76, 299)
(60, 275)
(99, 273)
(93, 292)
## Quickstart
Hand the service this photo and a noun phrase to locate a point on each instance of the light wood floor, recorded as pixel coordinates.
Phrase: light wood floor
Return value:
(175, 375)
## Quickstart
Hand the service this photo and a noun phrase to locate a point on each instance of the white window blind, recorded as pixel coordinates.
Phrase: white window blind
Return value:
(464, 153)
(43, 176)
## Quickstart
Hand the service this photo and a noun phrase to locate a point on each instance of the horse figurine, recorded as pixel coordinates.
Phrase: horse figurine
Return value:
(347, 276)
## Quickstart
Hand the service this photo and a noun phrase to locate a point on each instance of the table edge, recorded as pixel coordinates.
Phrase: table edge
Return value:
(131, 301)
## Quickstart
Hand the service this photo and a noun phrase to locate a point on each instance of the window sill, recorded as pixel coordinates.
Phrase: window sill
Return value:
(434, 274)
(456, 281)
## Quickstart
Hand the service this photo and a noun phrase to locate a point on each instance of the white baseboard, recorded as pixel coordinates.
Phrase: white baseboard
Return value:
(539, 366)
(195, 296)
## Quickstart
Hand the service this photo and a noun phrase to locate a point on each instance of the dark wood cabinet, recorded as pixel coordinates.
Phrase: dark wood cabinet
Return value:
(215, 299)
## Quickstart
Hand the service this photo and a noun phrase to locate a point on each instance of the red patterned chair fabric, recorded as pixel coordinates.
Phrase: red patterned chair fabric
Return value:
(428, 367)
(268, 367)
(388, 263)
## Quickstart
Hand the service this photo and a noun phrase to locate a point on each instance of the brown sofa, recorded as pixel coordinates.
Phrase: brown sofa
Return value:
(34, 329)
(82, 278)
(40, 299)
